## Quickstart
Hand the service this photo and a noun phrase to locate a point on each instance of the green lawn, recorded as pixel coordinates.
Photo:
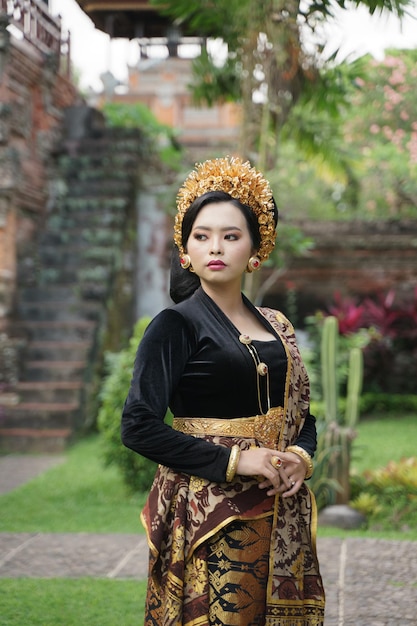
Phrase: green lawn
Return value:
(68, 602)
(81, 495)
(384, 439)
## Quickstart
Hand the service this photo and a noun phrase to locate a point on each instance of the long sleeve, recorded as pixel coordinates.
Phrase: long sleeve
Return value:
(307, 438)
(160, 362)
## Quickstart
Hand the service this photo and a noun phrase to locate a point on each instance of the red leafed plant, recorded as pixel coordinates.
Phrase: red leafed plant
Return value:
(390, 358)
(349, 315)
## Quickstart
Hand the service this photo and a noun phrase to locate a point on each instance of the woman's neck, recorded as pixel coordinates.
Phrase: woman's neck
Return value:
(229, 300)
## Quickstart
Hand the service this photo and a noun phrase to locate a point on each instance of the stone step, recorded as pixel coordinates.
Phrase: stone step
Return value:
(76, 330)
(75, 256)
(97, 237)
(105, 188)
(104, 171)
(34, 440)
(54, 371)
(100, 274)
(112, 146)
(64, 288)
(49, 391)
(70, 291)
(86, 159)
(59, 311)
(41, 415)
(63, 350)
(45, 293)
(91, 205)
(83, 218)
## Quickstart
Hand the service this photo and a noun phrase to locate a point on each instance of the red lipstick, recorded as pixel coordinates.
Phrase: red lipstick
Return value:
(216, 264)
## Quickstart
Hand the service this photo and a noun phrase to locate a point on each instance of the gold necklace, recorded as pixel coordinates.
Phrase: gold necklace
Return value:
(261, 370)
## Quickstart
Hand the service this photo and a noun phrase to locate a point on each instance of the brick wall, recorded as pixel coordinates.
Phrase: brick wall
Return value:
(32, 96)
(356, 259)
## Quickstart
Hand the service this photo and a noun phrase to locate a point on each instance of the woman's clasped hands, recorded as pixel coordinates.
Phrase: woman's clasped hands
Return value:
(278, 472)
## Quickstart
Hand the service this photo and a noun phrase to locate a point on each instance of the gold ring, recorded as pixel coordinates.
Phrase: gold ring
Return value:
(276, 462)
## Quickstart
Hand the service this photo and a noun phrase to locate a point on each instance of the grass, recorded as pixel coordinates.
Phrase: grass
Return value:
(71, 602)
(79, 495)
(383, 439)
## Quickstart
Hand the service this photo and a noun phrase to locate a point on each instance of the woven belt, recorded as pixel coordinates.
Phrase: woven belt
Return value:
(251, 427)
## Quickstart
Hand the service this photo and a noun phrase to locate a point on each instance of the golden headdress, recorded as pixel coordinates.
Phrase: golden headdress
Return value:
(241, 181)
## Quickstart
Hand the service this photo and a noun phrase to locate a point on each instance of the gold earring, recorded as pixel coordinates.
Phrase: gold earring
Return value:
(185, 261)
(254, 263)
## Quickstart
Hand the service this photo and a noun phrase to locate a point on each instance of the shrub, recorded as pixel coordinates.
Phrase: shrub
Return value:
(388, 496)
(387, 330)
(371, 403)
(324, 487)
(161, 137)
(137, 471)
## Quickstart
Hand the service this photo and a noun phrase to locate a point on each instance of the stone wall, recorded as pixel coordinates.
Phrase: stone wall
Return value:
(33, 94)
(357, 259)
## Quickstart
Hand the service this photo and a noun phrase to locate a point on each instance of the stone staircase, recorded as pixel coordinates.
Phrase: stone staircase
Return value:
(68, 292)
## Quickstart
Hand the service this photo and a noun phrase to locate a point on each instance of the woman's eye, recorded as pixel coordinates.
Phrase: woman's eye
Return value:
(231, 237)
(200, 236)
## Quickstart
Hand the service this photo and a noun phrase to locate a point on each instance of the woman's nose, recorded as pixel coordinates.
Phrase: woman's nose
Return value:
(215, 249)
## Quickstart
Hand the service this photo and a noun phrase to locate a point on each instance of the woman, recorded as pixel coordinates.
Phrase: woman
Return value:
(230, 520)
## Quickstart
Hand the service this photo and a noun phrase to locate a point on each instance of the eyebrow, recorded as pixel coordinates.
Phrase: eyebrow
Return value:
(225, 228)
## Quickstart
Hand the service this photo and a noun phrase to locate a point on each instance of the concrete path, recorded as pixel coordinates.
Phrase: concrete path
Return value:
(368, 582)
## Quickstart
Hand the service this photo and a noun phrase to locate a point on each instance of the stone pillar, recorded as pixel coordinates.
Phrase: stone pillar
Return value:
(153, 255)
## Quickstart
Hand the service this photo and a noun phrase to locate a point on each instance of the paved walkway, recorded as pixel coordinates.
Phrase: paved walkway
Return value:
(369, 582)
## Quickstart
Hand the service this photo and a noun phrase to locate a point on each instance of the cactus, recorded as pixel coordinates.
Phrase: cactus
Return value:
(329, 367)
(354, 387)
(339, 431)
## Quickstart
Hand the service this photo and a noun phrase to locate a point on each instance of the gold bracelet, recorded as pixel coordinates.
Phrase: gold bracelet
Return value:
(233, 461)
(299, 451)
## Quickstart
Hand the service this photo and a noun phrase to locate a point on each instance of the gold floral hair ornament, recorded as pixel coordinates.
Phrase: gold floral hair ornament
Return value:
(241, 181)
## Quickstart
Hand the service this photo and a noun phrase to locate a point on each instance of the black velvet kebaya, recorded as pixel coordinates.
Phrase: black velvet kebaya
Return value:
(191, 360)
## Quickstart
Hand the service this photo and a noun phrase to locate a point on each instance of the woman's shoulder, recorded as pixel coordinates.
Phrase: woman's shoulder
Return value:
(168, 318)
(177, 318)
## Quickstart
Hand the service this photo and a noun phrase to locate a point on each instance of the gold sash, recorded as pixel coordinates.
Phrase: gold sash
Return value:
(265, 428)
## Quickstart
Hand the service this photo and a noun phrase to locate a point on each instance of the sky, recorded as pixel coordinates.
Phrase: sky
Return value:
(355, 33)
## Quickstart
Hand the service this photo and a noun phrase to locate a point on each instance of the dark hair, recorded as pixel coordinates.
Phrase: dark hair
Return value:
(183, 283)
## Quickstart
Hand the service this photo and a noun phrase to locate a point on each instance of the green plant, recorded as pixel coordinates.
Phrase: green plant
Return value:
(161, 138)
(366, 503)
(393, 492)
(323, 486)
(339, 432)
(376, 403)
(137, 471)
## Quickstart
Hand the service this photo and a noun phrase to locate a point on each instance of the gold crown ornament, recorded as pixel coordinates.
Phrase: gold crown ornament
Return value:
(241, 181)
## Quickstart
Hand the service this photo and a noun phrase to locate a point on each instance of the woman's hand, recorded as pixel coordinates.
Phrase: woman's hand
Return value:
(283, 472)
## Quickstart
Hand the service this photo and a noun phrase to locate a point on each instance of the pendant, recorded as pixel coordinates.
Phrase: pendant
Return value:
(262, 369)
(245, 339)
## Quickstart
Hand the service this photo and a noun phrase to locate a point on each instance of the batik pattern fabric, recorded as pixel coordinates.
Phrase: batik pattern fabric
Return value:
(199, 532)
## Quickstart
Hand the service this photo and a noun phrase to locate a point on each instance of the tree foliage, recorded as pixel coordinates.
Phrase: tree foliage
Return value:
(268, 67)
(384, 136)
